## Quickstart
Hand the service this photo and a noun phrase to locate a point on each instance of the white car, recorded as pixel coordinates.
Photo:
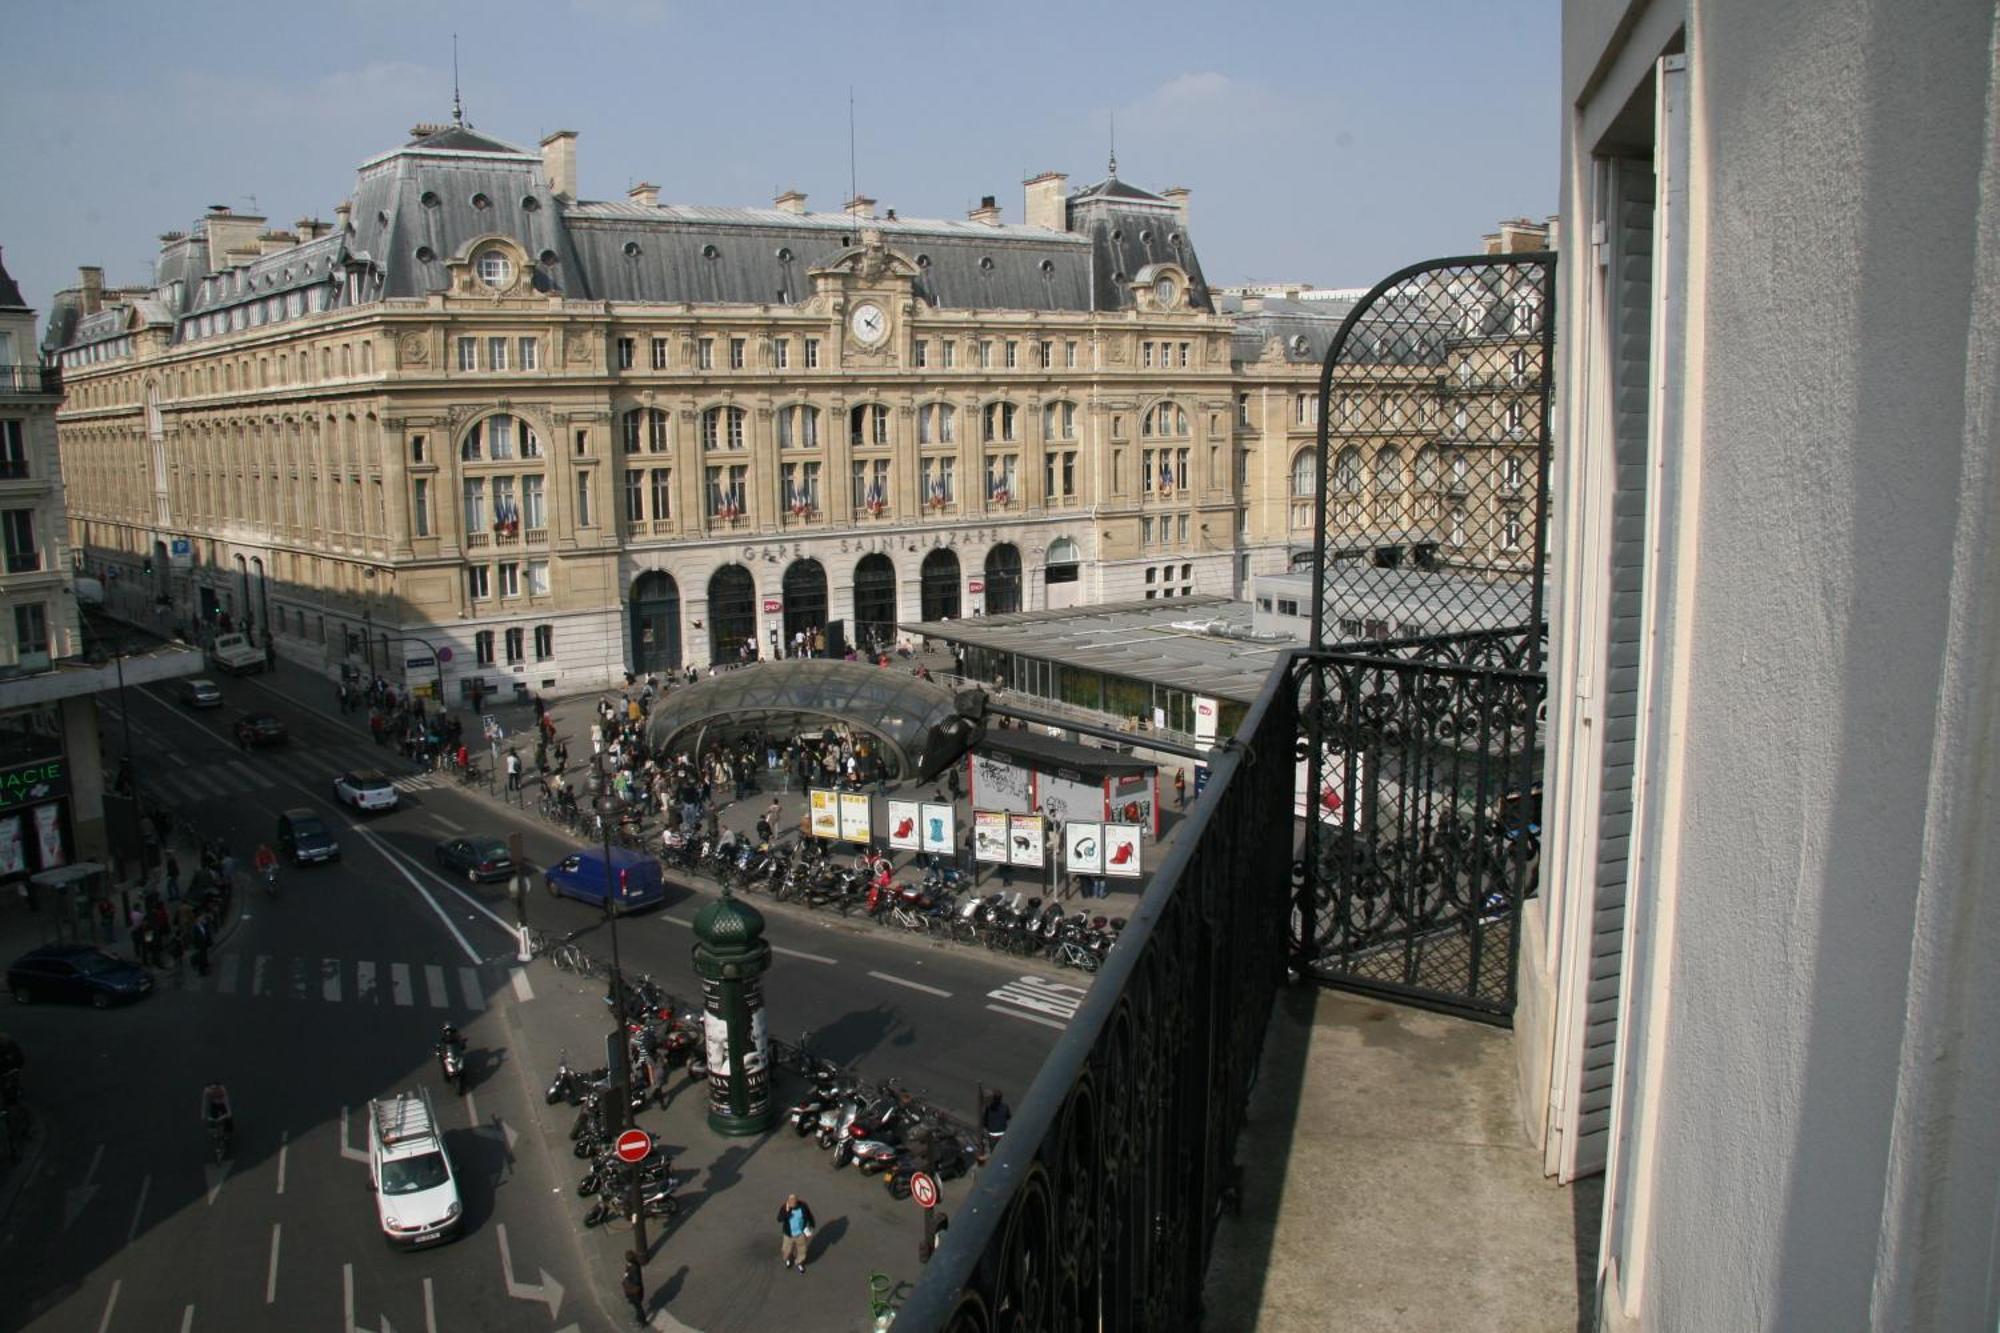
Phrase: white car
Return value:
(416, 1194)
(365, 791)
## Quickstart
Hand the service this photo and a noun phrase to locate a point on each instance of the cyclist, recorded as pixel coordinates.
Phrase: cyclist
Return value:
(217, 1116)
(266, 862)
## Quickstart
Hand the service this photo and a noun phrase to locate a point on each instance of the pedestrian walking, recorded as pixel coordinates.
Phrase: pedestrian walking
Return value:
(633, 1286)
(513, 770)
(1180, 788)
(795, 1227)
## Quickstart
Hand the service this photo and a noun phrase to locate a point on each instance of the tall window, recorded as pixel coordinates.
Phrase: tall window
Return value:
(781, 353)
(798, 427)
(726, 491)
(531, 353)
(868, 424)
(516, 644)
(468, 354)
(482, 647)
(1002, 484)
(1069, 355)
(722, 428)
(659, 353)
(937, 423)
(538, 578)
(662, 486)
(475, 504)
(812, 354)
(626, 347)
(940, 481)
(635, 495)
(545, 642)
(1059, 421)
(583, 519)
(1388, 470)
(477, 582)
(420, 507)
(1012, 354)
(704, 354)
(1347, 471)
(510, 578)
(737, 354)
(534, 506)
(13, 450)
(802, 488)
(948, 351)
(920, 352)
(647, 428)
(985, 354)
(870, 477)
(999, 422)
(1059, 474)
(31, 629)
(1168, 419)
(496, 353)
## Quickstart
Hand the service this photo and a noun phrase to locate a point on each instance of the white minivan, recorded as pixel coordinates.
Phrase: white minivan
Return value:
(416, 1194)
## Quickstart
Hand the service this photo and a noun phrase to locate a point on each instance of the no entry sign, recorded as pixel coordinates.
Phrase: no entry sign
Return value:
(635, 1144)
(923, 1189)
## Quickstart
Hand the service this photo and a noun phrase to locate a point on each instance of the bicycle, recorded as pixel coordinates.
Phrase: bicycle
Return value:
(537, 943)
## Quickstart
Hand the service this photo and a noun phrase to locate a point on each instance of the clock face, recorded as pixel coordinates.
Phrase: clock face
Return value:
(869, 324)
(1164, 291)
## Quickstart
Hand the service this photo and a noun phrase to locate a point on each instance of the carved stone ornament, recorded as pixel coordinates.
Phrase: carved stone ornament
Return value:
(577, 350)
(415, 351)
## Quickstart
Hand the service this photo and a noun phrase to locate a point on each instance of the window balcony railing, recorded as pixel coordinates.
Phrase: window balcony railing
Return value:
(23, 562)
(30, 379)
(13, 469)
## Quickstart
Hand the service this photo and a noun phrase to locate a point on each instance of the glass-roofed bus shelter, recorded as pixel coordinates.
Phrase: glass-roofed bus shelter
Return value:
(920, 725)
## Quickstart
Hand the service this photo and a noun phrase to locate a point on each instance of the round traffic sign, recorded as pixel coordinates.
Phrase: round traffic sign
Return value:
(444, 654)
(634, 1145)
(923, 1189)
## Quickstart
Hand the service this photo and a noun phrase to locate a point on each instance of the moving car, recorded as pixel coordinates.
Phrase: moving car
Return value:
(201, 692)
(633, 878)
(78, 973)
(416, 1195)
(303, 836)
(478, 857)
(236, 654)
(260, 729)
(365, 791)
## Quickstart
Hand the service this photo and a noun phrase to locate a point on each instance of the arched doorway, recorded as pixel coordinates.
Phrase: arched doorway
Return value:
(656, 623)
(1003, 579)
(1061, 580)
(805, 599)
(732, 613)
(940, 584)
(874, 601)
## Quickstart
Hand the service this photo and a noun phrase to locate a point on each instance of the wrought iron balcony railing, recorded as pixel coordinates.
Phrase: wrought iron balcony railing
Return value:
(30, 379)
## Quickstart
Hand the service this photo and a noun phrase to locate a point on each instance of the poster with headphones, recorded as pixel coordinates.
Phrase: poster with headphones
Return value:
(1083, 848)
(1024, 841)
(1121, 851)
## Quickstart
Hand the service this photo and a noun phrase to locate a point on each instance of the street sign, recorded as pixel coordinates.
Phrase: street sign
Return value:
(635, 1145)
(494, 731)
(772, 605)
(444, 654)
(923, 1189)
(418, 663)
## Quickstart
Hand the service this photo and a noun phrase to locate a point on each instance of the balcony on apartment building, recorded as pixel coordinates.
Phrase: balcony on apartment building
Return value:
(34, 380)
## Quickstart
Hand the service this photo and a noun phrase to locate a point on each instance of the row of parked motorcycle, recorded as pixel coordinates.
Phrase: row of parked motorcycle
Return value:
(940, 905)
(880, 1128)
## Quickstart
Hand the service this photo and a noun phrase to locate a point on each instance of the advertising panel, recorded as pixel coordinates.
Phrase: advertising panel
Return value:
(903, 817)
(1121, 851)
(854, 816)
(825, 807)
(989, 836)
(1083, 848)
(1205, 717)
(937, 831)
(1134, 800)
(1024, 841)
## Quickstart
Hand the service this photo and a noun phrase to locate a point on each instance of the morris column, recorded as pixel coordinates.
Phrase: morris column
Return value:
(731, 956)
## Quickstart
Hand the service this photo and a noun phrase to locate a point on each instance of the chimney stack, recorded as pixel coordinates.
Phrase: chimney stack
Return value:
(311, 229)
(791, 201)
(343, 215)
(860, 206)
(1048, 201)
(988, 211)
(91, 278)
(559, 162)
(645, 193)
(1177, 195)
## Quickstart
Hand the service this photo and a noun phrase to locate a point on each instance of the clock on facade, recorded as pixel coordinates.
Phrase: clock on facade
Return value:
(868, 322)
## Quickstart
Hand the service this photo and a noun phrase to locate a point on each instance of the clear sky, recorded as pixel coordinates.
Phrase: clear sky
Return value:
(1326, 141)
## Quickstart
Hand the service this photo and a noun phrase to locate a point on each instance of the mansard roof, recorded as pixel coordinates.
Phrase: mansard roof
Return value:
(10, 291)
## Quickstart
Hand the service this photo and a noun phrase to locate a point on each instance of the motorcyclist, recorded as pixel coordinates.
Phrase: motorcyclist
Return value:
(453, 1041)
(266, 860)
(216, 1113)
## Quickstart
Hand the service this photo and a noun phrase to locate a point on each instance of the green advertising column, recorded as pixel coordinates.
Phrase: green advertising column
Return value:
(731, 956)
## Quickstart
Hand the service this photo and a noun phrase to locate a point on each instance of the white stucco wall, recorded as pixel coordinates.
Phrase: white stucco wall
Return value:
(1809, 1119)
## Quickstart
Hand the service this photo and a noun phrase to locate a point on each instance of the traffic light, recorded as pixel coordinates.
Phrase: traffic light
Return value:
(148, 565)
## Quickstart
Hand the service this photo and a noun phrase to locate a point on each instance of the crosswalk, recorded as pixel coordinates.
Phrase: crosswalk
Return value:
(300, 978)
(218, 779)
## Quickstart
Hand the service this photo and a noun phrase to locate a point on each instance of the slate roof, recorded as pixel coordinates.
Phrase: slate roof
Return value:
(10, 291)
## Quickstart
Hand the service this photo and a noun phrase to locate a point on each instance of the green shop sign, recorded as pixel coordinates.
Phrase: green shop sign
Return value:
(33, 783)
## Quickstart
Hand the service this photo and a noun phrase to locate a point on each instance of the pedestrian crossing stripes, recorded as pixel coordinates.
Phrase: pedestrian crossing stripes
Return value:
(232, 777)
(360, 981)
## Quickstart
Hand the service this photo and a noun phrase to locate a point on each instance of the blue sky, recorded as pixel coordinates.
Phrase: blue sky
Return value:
(1326, 142)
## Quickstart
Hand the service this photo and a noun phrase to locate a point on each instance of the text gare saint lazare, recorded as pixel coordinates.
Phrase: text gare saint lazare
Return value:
(771, 555)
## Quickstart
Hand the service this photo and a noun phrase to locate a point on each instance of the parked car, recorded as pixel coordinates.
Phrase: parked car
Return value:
(201, 692)
(78, 973)
(365, 791)
(235, 653)
(303, 836)
(631, 878)
(256, 730)
(477, 858)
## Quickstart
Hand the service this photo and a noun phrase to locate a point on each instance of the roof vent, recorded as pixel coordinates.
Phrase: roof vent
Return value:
(710, 252)
(987, 213)
(631, 249)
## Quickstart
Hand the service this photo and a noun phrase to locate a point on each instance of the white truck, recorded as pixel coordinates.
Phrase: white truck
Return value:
(416, 1193)
(235, 653)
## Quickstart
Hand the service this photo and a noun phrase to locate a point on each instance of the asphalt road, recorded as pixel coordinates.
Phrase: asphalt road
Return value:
(332, 994)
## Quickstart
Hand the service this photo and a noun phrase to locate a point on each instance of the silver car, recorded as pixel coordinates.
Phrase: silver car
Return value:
(201, 692)
(365, 791)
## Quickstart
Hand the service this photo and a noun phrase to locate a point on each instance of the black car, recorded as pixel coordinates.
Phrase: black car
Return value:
(78, 973)
(260, 729)
(303, 836)
(479, 858)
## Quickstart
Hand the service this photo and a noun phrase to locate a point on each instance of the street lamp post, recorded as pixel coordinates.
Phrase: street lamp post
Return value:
(617, 1055)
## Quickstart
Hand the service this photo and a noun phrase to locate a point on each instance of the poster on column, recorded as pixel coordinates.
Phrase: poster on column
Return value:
(854, 817)
(825, 812)
(48, 829)
(903, 816)
(1121, 850)
(1083, 848)
(1024, 841)
(939, 833)
(13, 856)
(989, 836)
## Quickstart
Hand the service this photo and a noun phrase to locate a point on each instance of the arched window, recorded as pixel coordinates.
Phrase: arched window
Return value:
(939, 586)
(868, 424)
(998, 423)
(1347, 471)
(1164, 419)
(1003, 579)
(1427, 468)
(1304, 483)
(732, 613)
(722, 428)
(1388, 470)
(1059, 421)
(937, 423)
(874, 601)
(798, 427)
(647, 428)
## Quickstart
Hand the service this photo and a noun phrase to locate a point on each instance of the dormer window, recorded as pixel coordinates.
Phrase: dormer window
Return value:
(495, 269)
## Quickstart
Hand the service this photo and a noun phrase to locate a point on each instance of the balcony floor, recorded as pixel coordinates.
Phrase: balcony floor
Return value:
(1388, 1184)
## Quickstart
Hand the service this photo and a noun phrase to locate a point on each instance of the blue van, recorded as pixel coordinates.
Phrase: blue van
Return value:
(583, 875)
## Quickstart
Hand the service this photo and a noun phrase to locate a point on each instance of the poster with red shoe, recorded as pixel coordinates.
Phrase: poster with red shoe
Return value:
(903, 817)
(1121, 851)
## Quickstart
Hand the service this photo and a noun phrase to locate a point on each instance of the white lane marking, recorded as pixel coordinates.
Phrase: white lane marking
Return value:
(1032, 1018)
(396, 862)
(138, 1209)
(678, 920)
(347, 1297)
(472, 1110)
(430, 1309)
(284, 1152)
(329, 980)
(364, 982)
(799, 953)
(187, 1319)
(260, 981)
(399, 983)
(468, 982)
(434, 986)
(894, 980)
(110, 1305)
(225, 973)
(1058, 999)
(468, 899)
(78, 1197)
(522, 990)
(271, 1278)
